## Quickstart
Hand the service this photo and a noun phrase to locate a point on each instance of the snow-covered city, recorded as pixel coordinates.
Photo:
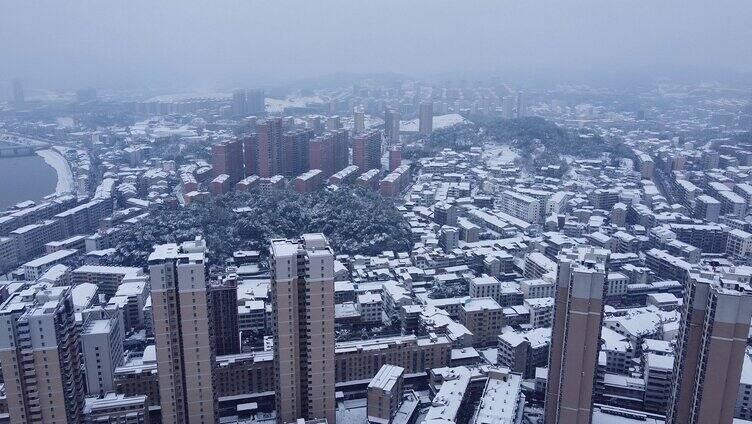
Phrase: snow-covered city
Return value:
(376, 248)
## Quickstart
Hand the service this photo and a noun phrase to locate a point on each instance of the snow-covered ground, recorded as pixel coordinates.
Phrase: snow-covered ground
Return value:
(160, 129)
(369, 121)
(65, 122)
(450, 120)
(56, 160)
(499, 154)
(439, 122)
(278, 105)
(201, 94)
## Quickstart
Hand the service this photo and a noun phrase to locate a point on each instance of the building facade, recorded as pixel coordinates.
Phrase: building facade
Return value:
(182, 329)
(303, 325)
(710, 351)
(575, 337)
(367, 150)
(40, 357)
(223, 296)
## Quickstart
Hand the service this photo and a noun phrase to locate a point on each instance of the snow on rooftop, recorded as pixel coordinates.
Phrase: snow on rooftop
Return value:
(464, 353)
(481, 303)
(387, 377)
(439, 122)
(83, 295)
(665, 362)
(54, 273)
(446, 404)
(501, 401)
(103, 269)
(49, 258)
(613, 341)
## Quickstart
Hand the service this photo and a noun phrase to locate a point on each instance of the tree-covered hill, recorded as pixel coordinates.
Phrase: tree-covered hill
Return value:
(541, 142)
(354, 220)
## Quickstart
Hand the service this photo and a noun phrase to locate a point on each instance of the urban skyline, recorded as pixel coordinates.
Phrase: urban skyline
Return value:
(376, 213)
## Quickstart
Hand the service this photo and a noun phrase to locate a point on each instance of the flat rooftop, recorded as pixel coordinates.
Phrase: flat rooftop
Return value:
(387, 377)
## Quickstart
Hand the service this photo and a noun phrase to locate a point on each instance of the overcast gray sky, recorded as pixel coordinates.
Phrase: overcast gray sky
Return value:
(103, 43)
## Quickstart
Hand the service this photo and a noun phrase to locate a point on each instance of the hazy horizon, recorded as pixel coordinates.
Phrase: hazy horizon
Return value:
(106, 44)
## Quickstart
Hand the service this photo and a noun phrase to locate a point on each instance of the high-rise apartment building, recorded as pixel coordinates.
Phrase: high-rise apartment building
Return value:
(182, 329)
(333, 123)
(341, 149)
(367, 150)
(255, 102)
(223, 298)
(239, 107)
(575, 336)
(328, 152)
(40, 356)
(303, 322)
(710, 350)
(425, 118)
(321, 154)
(18, 93)
(250, 154)
(269, 147)
(359, 121)
(102, 349)
(294, 155)
(247, 102)
(391, 125)
(521, 105)
(227, 158)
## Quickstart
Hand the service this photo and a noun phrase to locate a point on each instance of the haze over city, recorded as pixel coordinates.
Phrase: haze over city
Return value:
(227, 43)
(376, 212)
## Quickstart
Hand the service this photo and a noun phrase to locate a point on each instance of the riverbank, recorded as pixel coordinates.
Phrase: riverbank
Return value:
(57, 161)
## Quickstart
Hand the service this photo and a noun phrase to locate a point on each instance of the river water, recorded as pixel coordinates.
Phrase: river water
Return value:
(25, 178)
